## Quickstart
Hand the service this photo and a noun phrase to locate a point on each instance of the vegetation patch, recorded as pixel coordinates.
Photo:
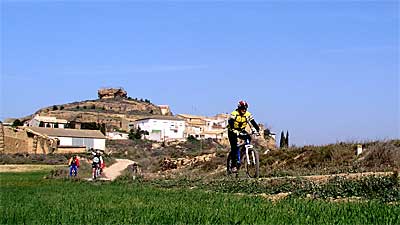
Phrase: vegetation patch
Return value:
(384, 189)
(28, 199)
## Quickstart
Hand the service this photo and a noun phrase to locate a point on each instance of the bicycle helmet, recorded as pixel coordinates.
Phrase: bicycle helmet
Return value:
(242, 105)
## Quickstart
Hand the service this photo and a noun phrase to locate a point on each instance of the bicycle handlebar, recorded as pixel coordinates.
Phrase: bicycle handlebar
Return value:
(245, 133)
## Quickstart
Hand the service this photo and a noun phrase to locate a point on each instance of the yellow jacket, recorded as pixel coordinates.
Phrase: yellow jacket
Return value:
(238, 122)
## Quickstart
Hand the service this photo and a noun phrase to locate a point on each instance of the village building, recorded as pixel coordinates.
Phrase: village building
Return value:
(161, 128)
(41, 140)
(165, 110)
(205, 127)
(1, 137)
(72, 139)
(46, 121)
(195, 125)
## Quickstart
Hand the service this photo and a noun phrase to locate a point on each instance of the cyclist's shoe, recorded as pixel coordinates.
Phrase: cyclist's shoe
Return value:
(234, 170)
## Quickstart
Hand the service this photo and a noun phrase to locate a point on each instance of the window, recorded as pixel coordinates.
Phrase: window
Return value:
(87, 142)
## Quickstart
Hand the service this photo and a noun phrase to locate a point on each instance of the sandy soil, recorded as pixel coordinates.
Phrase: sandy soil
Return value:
(115, 169)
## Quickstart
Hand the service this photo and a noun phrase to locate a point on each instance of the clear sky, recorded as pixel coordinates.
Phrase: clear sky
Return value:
(327, 71)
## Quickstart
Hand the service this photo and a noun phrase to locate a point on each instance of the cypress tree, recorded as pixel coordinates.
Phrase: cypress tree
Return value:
(287, 139)
(282, 141)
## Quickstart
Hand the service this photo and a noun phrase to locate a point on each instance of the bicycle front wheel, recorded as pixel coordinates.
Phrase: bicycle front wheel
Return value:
(252, 164)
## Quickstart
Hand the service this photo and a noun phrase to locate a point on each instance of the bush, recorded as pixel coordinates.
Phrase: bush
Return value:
(137, 133)
(17, 123)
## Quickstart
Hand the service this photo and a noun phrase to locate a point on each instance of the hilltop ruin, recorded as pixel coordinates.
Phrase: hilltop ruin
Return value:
(107, 93)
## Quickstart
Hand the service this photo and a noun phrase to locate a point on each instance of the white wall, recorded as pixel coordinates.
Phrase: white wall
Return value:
(100, 144)
(35, 123)
(67, 141)
(97, 143)
(117, 136)
(169, 129)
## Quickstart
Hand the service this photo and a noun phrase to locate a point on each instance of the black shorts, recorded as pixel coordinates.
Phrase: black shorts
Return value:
(95, 165)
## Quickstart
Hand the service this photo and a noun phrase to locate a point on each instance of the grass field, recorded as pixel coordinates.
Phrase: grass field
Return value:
(27, 198)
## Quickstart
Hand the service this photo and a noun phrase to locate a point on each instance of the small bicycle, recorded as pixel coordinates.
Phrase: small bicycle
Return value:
(73, 172)
(248, 156)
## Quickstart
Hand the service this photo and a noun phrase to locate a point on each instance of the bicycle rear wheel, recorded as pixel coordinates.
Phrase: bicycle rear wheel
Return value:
(252, 164)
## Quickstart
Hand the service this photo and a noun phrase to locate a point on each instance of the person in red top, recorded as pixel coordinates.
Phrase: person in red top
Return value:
(73, 164)
(102, 164)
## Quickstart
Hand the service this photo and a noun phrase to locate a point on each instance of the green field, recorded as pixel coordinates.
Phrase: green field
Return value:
(27, 198)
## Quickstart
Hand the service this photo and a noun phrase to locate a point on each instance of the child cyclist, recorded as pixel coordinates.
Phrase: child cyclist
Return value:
(73, 164)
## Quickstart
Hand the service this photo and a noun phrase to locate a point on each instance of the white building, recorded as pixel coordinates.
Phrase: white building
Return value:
(72, 137)
(46, 121)
(203, 127)
(162, 128)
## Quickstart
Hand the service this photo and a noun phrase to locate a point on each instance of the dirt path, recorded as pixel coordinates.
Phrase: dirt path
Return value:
(112, 172)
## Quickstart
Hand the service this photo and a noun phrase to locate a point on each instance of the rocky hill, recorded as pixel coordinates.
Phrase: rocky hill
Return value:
(115, 112)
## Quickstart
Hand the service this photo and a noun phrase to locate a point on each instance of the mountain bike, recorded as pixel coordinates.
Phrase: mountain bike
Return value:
(247, 156)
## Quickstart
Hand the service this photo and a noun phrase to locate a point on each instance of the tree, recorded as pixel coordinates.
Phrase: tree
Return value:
(137, 133)
(55, 107)
(17, 123)
(61, 107)
(287, 139)
(267, 132)
(282, 141)
(93, 107)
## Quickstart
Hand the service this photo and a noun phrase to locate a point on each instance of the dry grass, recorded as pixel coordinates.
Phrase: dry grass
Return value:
(18, 168)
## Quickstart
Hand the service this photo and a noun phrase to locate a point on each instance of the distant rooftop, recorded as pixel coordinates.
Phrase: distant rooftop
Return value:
(60, 132)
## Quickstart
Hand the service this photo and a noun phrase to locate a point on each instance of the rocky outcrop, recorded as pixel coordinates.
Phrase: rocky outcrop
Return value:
(105, 93)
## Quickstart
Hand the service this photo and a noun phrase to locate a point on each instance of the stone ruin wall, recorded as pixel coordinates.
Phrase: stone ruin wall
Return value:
(112, 93)
(16, 140)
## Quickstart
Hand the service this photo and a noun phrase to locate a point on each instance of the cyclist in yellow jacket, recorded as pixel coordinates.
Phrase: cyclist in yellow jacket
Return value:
(237, 123)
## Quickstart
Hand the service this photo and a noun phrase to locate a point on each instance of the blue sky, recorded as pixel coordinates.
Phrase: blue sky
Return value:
(327, 71)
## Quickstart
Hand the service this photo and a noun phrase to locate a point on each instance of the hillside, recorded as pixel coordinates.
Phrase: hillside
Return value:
(115, 112)
(208, 158)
